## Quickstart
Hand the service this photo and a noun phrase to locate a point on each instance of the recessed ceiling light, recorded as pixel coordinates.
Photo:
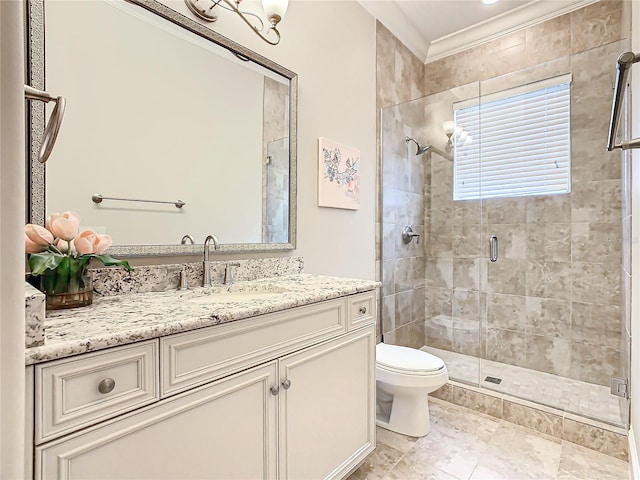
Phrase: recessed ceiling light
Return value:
(489, 2)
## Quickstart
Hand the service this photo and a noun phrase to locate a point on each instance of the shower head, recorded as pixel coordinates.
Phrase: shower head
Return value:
(420, 148)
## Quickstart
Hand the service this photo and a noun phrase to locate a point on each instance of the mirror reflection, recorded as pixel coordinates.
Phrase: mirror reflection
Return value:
(157, 113)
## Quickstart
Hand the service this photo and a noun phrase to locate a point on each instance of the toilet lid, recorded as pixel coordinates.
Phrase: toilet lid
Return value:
(406, 359)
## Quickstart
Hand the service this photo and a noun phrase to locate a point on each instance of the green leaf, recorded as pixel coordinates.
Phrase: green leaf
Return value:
(40, 262)
(109, 261)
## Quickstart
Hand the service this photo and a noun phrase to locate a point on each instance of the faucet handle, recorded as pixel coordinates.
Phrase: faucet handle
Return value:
(228, 273)
(184, 280)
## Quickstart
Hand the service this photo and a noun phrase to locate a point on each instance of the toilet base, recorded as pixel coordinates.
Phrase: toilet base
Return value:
(405, 414)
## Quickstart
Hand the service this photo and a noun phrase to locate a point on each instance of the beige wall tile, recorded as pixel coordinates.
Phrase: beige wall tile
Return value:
(438, 301)
(506, 312)
(443, 393)
(597, 439)
(466, 305)
(477, 401)
(439, 332)
(466, 273)
(549, 209)
(505, 346)
(534, 419)
(596, 242)
(596, 24)
(465, 337)
(549, 280)
(507, 276)
(548, 354)
(596, 283)
(599, 201)
(548, 317)
(549, 242)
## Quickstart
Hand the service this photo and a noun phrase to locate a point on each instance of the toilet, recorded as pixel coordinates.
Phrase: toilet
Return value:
(404, 378)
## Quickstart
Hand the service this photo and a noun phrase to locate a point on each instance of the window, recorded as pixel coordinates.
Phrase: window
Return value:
(517, 142)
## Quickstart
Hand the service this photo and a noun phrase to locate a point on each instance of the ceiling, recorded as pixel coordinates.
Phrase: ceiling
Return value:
(433, 29)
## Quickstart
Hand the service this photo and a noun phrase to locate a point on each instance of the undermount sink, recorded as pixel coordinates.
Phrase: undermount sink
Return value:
(236, 294)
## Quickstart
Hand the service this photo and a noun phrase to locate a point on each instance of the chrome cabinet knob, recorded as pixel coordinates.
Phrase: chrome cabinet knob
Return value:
(275, 390)
(286, 384)
(107, 385)
(363, 310)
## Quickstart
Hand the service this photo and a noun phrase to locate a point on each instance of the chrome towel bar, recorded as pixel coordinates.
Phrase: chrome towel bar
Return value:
(625, 61)
(98, 198)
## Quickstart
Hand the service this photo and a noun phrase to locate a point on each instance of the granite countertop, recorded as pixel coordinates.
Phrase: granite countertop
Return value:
(121, 319)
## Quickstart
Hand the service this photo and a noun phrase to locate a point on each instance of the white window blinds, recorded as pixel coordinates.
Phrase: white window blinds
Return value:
(518, 142)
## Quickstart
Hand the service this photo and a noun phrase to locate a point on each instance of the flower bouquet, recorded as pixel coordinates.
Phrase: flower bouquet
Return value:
(59, 254)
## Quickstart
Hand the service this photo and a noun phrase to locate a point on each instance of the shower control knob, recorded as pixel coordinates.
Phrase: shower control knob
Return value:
(408, 234)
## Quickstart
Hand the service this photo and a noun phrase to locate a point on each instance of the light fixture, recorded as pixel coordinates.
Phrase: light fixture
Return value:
(489, 2)
(274, 9)
(53, 125)
(455, 135)
(449, 127)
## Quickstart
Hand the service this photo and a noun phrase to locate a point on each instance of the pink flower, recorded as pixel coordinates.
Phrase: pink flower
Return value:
(62, 245)
(89, 242)
(64, 226)
(38, 235)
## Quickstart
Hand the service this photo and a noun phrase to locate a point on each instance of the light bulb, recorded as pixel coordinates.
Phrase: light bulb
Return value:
(275, 9)
(448, 127)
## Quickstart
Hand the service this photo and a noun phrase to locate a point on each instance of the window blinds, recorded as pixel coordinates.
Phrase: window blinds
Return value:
(518, 142)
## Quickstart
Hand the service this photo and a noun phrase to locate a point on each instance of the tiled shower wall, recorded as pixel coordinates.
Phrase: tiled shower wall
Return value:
(400, 77)
(275, 169)
(554, 301)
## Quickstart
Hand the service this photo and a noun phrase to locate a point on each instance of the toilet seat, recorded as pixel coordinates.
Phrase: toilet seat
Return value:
(407, 361)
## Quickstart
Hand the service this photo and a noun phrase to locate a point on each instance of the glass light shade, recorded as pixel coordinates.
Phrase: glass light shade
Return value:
(448, 127)
(463, 137)
(275, 9)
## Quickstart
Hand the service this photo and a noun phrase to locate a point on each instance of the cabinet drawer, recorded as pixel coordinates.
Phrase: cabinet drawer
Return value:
(76, 392)
(193, 358)
(362, 309)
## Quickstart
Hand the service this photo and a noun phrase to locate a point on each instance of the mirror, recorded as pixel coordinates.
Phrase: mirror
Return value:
(170, 130)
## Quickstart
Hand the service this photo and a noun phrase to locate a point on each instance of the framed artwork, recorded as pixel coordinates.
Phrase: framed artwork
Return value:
(338, 175)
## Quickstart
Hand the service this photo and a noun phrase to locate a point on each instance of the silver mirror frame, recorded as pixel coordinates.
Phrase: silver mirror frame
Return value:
(35, 76)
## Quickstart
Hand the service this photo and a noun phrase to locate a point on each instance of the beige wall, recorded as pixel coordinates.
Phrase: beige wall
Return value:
(336, 99)
(12, 211)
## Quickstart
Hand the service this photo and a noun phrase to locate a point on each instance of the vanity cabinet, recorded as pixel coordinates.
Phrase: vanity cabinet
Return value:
(288, 395)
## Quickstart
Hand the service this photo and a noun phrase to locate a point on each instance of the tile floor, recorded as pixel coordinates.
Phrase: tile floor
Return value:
(466, 445)
(582, 398)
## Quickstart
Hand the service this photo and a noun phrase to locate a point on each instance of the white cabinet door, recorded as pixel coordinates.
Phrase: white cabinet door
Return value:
(225, 430)
(326, 409)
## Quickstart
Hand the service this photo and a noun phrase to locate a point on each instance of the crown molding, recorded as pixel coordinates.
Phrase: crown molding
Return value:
(392, 17)
(509, 22)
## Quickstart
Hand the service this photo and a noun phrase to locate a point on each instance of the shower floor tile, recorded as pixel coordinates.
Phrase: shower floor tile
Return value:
(467, 445)
(573, 396)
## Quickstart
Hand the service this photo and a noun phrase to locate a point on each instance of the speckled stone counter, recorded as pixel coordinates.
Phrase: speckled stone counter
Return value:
(121, 319)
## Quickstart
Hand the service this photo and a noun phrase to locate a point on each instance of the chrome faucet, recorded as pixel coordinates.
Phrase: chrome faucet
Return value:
(206, 278)
(187, 238)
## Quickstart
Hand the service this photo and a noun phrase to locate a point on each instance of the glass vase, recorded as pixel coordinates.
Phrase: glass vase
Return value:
(67, 287)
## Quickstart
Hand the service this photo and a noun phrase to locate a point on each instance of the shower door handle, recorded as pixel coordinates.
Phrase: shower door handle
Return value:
(493, 248)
